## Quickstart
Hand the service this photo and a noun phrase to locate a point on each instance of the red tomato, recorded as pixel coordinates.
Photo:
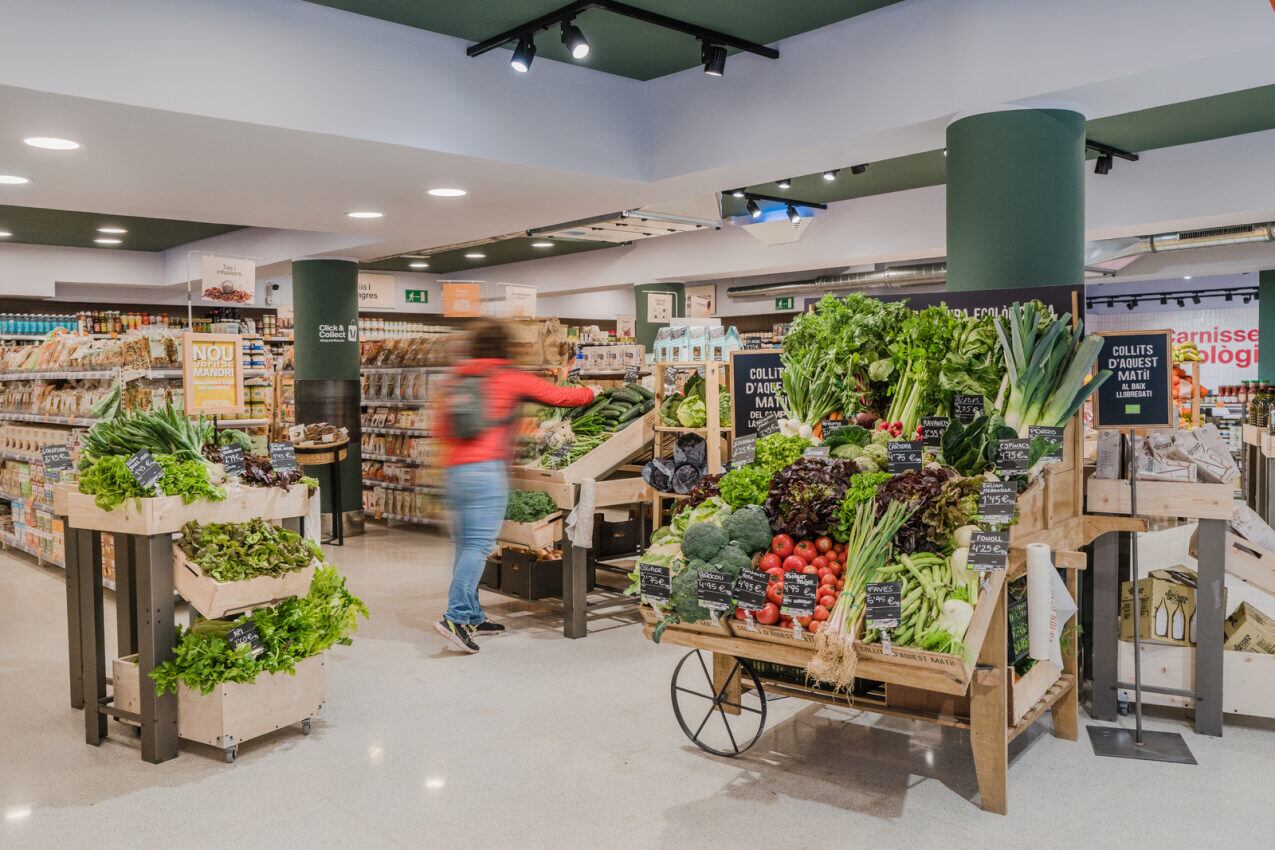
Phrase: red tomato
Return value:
(820, 561)
(824, 572)
(814, 627)
(770, 559)
(828, 581)
(806, 550)
(810, 570)
(838, 548)
(823, 544)
(775, 594)
(841, 583)
(836, 567)
(805, 622)
(821, 613)
(768, 615)
(794, 563)
(781, 545)
(776, 572)
(739, 613)
(827, 601)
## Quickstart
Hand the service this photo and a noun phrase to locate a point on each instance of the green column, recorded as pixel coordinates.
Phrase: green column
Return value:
(1266, 325)
(326, 317)
(1016, 199)
(646, 331)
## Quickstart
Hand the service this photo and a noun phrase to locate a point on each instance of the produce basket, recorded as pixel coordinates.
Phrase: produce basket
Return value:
(214, 598)
(706, 627)
(621, 447)
(167, 514)
(541, 534)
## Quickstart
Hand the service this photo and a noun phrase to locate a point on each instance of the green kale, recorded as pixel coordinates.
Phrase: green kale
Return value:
(529, 506)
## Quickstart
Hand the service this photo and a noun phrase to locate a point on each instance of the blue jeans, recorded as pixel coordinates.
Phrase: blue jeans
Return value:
(477, 494)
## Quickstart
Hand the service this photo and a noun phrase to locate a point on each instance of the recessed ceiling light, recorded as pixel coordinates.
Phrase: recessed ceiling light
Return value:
(13, 179)
(111, 230)
(541, 244)
(418, 265)
(51, 144)
(448, 193)
(106, 241)
(1186, 277)
(4, 234)
(365, 214)
(475, 256)
(785, 183)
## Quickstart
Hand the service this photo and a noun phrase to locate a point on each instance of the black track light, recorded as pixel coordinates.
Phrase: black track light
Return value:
(524, 53)
(831, 175)
(793, 215)
(1247, 298)
(1111, 302)
(737, 193)
(1255, 296)
(1131, 303)
(862, 167)
(714, 58)
(1195, 299)
(574, 40)
(786, 183)
(1230, 296)
(1102, 164)
(1088, 304)
(754, 208)
(1164, 300)
(1181, 302)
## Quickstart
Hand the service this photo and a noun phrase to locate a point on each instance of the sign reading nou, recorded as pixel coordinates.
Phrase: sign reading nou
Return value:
(212, 373)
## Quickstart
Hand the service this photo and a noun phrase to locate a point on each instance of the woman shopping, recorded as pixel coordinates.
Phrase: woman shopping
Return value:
(476, 421)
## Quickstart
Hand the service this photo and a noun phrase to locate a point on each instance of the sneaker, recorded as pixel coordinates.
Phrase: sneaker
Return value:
(487, 627)
(457, 635)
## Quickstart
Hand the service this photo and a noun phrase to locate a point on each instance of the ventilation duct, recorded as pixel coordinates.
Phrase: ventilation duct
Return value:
(889, 277)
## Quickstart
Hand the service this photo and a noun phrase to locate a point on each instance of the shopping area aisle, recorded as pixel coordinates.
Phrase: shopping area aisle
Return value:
(564, 743)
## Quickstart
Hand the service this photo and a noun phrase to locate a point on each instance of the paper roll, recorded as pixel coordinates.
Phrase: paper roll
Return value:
(1040, 600)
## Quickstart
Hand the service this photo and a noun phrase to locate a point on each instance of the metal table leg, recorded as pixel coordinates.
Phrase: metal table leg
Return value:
(92, 632)
(1210, 610)
(154, 577)
(74, 639)
(338, 526)
(1106, 625)
(575, 592)
(125, 595)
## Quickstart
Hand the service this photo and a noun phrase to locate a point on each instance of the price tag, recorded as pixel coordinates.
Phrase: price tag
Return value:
(801, 592)
(144, 469)
(245, 634)
(768, 425)
(743, 450)
(967, 407)
(631, 373)
(832, 426)
(989, 551)
(283, 457)
(1019, 641)
(55, 457)
(903, 455)
(997, 501)
(750, 590)
(232, 459)
(932, 430)
(654, 583)
(713, 590)
(817, 451)
(670, 376)
(1013, 455)
(752, 344)
(1052, 433)
(884, 604)
(573, 374)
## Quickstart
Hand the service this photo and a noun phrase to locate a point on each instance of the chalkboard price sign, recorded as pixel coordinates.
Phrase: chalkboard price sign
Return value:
(55, 457)
(1013, 455)
(654, 583)
(750, 590)
(768, 425)
(283, 457)
(884, 604)
(1052, 433)
(989, 551)
(967, 407)
(1139, 391)
(932, 429)
(997, 501)
(817, 451)
(573, 374)
(800, 594)
(232, 459)
(755, 389)
(743, 450)
(752, 344)
(713, 590)
(144, 469)
(670, 378)
(903, 455)
(832, 426)
(245, 634)
(632, 372)
(1019, 640)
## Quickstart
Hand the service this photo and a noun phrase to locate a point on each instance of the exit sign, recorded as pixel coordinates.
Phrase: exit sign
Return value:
(785, 303)
(418, 296)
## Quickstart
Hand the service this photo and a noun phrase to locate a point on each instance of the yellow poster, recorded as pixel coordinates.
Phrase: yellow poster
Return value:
(212, 373)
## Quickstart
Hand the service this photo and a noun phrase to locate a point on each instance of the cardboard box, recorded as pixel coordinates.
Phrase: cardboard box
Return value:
(1167, 607)
(1249, 630)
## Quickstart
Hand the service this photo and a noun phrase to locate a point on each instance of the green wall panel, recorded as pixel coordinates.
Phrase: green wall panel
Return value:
(1266, 325)
(326, 305)
(646, 331)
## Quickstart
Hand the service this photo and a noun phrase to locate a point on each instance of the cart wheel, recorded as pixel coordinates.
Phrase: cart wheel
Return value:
(305, 726)
(137, 731)
(1124, 708)
(230, 753)
(732, 733)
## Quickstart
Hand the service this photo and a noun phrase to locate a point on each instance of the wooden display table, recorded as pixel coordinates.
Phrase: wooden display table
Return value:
(329, 456)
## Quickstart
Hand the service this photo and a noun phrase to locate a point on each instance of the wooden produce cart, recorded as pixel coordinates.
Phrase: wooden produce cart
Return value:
(716, 433)
(617, 482)
(976, 691)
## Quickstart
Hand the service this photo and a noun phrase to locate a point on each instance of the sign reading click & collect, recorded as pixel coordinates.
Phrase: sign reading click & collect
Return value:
(1139, 392)
(755, 389)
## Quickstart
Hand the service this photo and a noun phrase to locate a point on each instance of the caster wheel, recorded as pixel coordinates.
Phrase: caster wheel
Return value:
(305, 726)
(230, 755)
(137, 731)
(1124, 708)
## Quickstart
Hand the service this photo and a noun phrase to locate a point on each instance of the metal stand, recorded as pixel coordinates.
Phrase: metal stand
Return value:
(1138, 744)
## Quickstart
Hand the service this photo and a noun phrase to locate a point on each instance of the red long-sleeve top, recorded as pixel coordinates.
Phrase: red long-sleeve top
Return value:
(507, 387)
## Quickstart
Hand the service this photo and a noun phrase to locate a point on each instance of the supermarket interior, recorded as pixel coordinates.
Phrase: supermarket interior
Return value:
(563, 424)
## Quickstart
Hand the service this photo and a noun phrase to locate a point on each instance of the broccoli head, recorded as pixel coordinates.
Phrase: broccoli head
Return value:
(731, 560)
(703, 540)
(683, 599)
(748, 529)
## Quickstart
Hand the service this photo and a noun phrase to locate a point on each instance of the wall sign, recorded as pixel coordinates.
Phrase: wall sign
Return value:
(755, 389)
(376, 292)
(212, 373)
(625, 327)
(785, 304)
(1139, 392)
(416, 296)
(338, 333)
(229, 280)
(659, 307)
(520, 301)
(991, 302)
(462, 298)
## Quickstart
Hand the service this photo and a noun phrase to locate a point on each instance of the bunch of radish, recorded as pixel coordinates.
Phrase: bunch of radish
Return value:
(819, 557)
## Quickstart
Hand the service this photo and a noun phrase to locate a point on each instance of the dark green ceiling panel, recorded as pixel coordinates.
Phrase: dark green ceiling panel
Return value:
(70, 229)
(1188, 122)
(514, 250)
(619, 45)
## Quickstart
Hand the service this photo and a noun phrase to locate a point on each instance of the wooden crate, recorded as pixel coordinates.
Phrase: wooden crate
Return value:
(706, 627)
(1162, 498)
(1249, 677)
(775, 635)
(1245, 560)
(620, 448)
(541, 534)
(167, 514)
(1030, 689)
(214, 598)
(233, 712)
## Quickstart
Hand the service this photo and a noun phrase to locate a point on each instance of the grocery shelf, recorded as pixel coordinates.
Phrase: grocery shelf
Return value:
(74, 421)
(407, 432)
(418, 520)
(411, 402)
(22, 457)
(242, 423)
(416, 461)
(403, 368)
(14, 542)
(106, 374)
(670, 429)
(410, 488)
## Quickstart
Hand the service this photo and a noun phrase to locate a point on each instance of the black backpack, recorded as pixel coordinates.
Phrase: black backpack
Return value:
(466, 408)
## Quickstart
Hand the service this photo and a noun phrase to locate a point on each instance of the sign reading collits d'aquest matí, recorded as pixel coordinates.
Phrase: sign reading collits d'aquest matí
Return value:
(212, 373)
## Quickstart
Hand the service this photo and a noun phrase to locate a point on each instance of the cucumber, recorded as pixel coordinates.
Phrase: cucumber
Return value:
(634, 413)
(640, 390)
(625, 394)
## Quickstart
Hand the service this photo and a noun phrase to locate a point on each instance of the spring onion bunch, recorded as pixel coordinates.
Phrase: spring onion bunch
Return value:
(1047, 364)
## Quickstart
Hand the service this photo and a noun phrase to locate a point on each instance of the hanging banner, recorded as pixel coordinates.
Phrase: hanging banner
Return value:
(212, 373)
(520, 301)
(659, 308)
(462, 298)
(1226, 336)
(229, 280)
(983, 302)
(376, 292)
